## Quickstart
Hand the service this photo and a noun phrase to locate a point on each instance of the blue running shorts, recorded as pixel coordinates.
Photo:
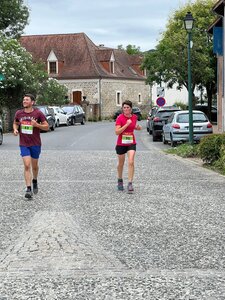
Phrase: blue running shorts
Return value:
(33, 151)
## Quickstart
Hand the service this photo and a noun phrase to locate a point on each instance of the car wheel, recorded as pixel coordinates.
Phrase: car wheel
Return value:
(1, 138)
(173, 144)
(72, 121)
(154, 137)
(83, 121)
(163, 139)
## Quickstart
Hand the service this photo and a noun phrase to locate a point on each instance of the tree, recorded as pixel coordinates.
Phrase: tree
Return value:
(52, 93)
(169, 61)
(130, 49)
(13, 17)
(21, 74)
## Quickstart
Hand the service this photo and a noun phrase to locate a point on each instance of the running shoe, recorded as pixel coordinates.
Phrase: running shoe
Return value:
(28, 194)
(35, 188)
(120, 185)
(130, 188)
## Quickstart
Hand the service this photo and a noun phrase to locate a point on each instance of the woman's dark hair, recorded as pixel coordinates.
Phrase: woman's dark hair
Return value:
(31, 96)
(127, 102)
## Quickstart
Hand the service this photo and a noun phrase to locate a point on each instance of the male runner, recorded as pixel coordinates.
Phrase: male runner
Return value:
(27, 123)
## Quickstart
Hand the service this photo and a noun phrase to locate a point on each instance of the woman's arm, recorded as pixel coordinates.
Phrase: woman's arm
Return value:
(120, 129)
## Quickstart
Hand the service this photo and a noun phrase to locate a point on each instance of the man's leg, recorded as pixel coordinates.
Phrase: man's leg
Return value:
(35, 168)
(27, 176)
(27, 170)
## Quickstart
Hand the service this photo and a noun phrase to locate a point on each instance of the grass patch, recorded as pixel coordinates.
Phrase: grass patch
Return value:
(184, 150)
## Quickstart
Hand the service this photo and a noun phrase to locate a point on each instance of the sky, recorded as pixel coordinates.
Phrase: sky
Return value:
(107, 22)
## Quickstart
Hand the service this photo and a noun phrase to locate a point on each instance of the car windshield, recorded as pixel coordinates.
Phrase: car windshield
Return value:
(68, 109)
(197, 117)
(42, 109)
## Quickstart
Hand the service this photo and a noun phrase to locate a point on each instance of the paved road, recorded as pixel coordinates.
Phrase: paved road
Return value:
(82, 239)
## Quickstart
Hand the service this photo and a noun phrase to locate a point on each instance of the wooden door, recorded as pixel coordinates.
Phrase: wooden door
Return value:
(77, 97)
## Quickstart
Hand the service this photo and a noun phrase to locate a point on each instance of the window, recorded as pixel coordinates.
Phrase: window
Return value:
(118, 98)
(111, 66)
(52, 67)
(139, 98)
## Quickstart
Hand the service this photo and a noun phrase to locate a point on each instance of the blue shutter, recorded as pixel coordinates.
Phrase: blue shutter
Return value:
(218, 40)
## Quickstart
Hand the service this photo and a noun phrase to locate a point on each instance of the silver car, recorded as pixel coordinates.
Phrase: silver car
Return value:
(177, 127)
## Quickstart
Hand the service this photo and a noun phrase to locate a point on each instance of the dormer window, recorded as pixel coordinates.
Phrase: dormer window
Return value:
(52, 67)
(112, 62)
(52, 63)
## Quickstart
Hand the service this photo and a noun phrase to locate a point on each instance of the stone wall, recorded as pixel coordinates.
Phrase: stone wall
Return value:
(104, 93)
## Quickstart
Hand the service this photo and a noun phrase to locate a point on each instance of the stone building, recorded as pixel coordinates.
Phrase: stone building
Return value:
(103, 77)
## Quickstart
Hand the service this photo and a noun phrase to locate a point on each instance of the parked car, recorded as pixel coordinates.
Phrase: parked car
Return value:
(150, 117)
(159, 119)
(177, 127)
(1, 132)
(204, 108)
(49, 114)
(135, 110)
(61, 117)
(75, 114)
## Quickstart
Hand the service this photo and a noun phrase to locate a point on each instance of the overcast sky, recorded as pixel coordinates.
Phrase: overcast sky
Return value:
(108, 22)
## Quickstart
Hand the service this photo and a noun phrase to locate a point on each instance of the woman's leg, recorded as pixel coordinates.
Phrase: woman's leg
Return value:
(121, 160)
(131, 155)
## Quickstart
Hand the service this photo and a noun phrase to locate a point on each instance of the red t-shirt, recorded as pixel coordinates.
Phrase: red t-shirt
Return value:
(29, 135)
(127, 137)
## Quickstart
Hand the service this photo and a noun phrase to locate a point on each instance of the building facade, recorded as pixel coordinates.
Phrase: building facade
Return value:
(99, 76)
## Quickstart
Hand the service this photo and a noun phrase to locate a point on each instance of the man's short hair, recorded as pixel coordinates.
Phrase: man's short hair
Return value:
(31, 96)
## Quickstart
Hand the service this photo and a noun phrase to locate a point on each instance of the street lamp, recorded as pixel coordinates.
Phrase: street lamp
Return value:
(188, 24)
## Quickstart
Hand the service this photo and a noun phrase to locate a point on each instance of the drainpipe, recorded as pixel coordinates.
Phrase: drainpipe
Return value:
(100, 98)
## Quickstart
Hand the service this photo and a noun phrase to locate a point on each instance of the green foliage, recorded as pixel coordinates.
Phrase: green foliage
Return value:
(13, 17)
(130, 49)
(210, 148)
(169, 61)
(220, 163)
(181, 105)
(52, 93)
(184, 150)
(21, 74)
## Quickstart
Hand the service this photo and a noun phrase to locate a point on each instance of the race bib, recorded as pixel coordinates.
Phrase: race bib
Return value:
(26, 127)
(127, 139)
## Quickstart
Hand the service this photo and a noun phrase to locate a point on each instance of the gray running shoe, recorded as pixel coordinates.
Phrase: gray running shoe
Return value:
(35, 188)
(28, 194)
(130, 188)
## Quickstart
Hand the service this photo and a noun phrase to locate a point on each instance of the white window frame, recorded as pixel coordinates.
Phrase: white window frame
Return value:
(120, 98)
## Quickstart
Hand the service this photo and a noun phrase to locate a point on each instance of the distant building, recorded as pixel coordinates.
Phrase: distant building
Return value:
(104, 77)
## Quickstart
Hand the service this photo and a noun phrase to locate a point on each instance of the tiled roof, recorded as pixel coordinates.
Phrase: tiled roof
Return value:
(80, 57)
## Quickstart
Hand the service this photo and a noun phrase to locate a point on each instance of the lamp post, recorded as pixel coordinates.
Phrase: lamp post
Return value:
(188, 24)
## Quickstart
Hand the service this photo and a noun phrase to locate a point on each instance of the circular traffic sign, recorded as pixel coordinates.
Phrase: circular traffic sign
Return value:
(160, 101)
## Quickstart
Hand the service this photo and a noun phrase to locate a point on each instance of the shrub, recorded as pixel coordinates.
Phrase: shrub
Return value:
(210, 146)
(220, 163)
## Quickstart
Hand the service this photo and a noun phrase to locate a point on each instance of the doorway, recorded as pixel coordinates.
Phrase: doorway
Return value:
(77, 97)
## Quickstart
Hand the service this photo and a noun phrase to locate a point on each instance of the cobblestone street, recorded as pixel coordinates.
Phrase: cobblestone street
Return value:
(79, 238)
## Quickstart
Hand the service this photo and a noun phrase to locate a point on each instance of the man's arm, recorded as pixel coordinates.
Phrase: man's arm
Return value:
(15, 128)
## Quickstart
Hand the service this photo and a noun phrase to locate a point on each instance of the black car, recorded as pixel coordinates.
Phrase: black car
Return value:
(160, 118)
(1, 132)
(204, 108)
(135, 110)
(75, 113)
(150, 117)
(49, 114)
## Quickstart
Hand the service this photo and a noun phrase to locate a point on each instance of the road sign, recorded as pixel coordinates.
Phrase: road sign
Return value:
(160, 91)
(2, 77)
(160, 101)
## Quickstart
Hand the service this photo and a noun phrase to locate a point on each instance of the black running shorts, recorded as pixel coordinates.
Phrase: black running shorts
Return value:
(123, 149)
